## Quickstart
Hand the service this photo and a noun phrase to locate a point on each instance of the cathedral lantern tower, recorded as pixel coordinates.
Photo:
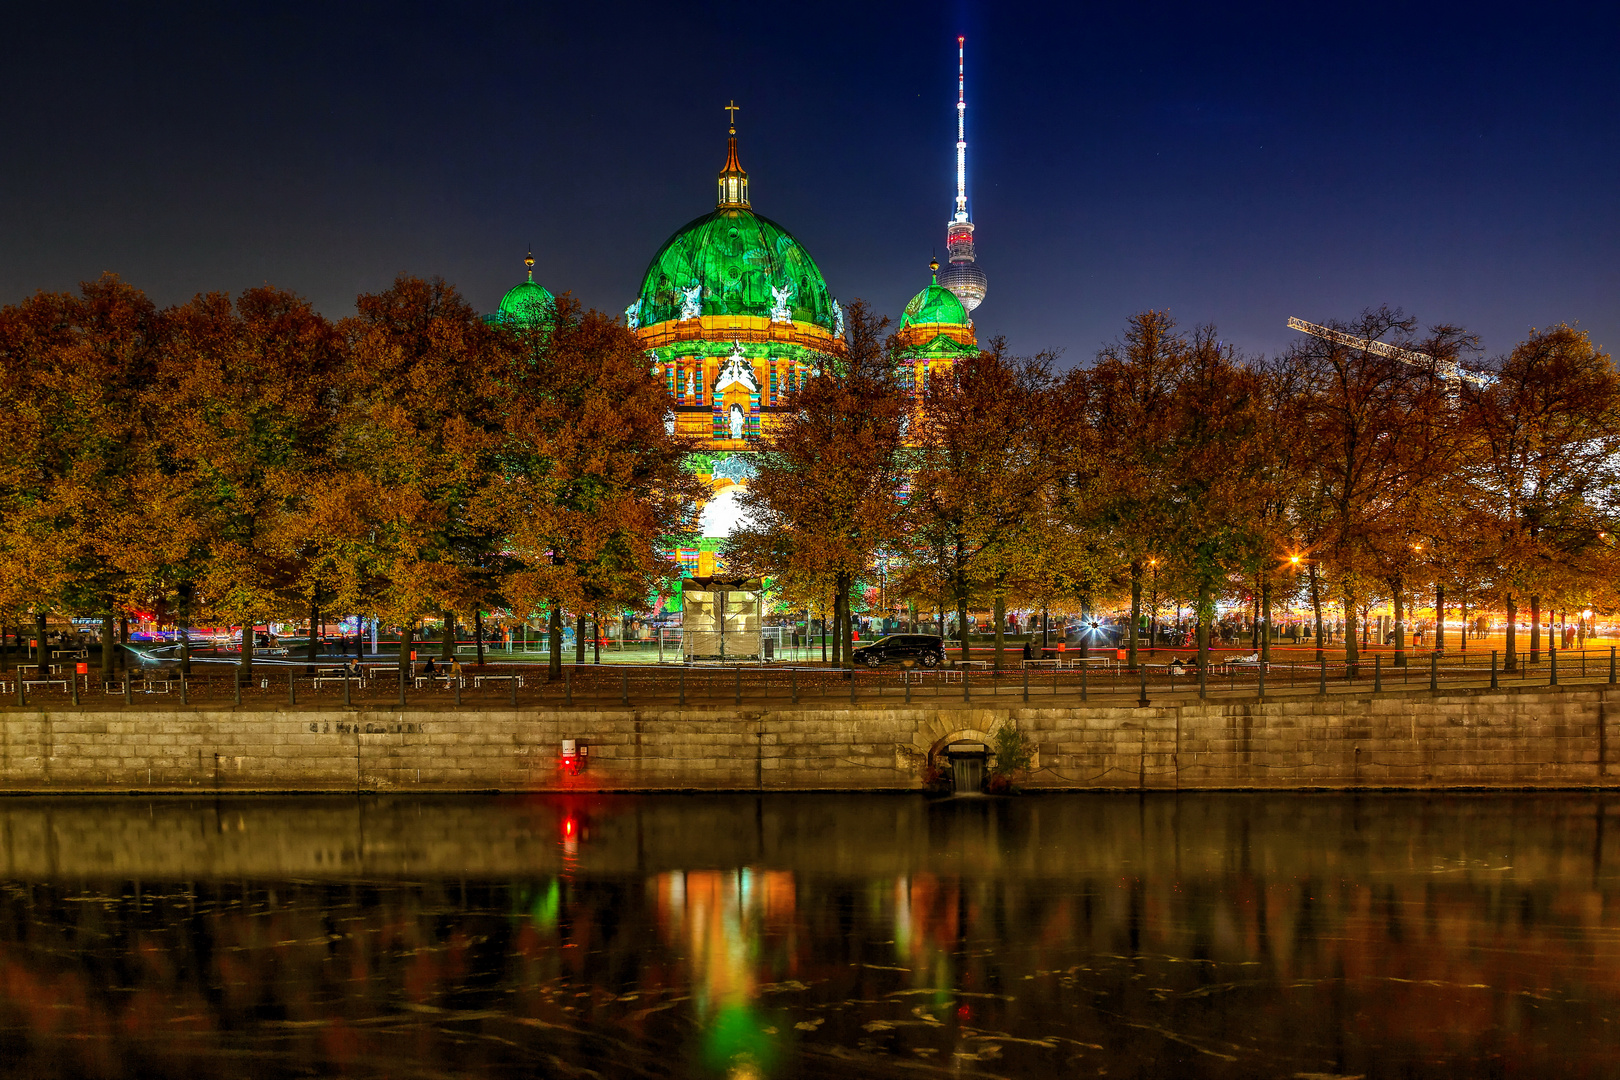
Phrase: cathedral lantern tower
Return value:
(935, 332)
(962, 277)
(734, 313)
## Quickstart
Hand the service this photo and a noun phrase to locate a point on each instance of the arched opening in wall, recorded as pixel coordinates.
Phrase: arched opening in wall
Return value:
(966, 757)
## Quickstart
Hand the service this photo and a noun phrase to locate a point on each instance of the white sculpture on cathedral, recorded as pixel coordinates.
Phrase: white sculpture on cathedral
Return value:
(780, 299)
(838, 318)
(738, 421)
(691, 387)
(632, 316)
(736, 371)
(691, 302)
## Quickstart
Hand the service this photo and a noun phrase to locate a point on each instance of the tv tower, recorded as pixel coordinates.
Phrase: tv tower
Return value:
(962, 278)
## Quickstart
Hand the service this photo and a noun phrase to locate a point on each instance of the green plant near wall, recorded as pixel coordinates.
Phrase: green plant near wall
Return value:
(1014, 752)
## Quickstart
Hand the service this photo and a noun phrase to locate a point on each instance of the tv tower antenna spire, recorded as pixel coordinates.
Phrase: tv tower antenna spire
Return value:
(961, 134)
(965, 280)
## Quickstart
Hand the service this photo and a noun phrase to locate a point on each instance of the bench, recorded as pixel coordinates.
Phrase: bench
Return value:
(45, 682)
(479, 680)
(445, 679)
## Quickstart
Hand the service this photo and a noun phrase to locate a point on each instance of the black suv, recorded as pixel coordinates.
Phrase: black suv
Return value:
(925, 650)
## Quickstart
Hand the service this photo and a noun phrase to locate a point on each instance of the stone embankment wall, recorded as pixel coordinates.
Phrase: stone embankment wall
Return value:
(1513, 738)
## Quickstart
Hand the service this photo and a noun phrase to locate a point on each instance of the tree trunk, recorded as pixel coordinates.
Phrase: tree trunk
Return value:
(314, 651)
(1000, 615)
(1265, 620)
(1316, 609)
(1462, 622)
(1351, 652)
(961, 621)
(1046, 629)
(554, 640)
(837, 630)
(1254, 618)
(824, 633)
(407, 633)
(1535, 629)
(107, 644)
(478, 634)
(245, 665)
(185, 628)
(447, 645)
(847, 582)
(1206, 611)
(1510, 659)
(1136, 611)
(1439, 618)
(359, 638)
(579, 639)
(596, 635)
(1400, 624)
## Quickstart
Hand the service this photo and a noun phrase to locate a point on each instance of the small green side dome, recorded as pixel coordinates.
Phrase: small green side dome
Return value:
(528, 303)
(934, 304)
(734, 262)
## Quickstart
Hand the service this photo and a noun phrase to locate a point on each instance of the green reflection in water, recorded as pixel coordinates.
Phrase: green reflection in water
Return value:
(544, 912)
(740, 1043)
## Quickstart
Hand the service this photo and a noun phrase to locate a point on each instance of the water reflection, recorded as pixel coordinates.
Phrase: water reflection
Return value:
(1207, 936)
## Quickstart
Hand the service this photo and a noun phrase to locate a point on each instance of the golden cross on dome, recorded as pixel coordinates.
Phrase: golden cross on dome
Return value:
(732, 109)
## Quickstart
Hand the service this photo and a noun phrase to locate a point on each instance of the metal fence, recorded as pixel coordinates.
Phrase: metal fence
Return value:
(529, 685)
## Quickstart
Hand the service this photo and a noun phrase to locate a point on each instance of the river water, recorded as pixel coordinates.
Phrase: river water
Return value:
(1214, 935)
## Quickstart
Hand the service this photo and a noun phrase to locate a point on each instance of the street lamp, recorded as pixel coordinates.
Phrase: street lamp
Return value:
(1153, 609)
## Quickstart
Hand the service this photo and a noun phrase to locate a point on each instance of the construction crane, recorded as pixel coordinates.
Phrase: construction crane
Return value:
(1449, 370)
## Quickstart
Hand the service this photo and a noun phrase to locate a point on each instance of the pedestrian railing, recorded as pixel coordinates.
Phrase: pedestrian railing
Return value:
(1154, 679)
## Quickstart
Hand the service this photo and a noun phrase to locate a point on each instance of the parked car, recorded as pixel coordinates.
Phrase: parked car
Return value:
(925, 650)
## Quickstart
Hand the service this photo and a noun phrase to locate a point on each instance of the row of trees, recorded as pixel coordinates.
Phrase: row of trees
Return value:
(238, 461)
(1341, 471)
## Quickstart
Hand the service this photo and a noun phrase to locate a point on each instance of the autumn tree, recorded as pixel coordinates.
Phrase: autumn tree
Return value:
(825, 498)
(1215, 432)
(72, 371)
(1372, 419)
(992, 442)
(420, 437)
(1128, 399)
(587, 490)
(1540, 468)
(247, 398)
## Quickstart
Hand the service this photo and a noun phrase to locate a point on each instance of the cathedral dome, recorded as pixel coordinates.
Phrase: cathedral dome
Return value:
(527, 303)
(733, 261)
(935, 304)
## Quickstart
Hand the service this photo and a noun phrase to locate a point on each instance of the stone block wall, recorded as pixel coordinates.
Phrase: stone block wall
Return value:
(1521, 737)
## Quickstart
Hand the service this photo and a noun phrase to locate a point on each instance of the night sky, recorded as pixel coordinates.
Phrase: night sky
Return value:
(1461, 162)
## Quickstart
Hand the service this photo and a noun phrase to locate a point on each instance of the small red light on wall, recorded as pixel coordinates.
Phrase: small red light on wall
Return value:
(570, 757)
(83, 669)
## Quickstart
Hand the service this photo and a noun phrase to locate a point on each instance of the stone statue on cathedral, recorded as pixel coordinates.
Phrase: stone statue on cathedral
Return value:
(691, 302)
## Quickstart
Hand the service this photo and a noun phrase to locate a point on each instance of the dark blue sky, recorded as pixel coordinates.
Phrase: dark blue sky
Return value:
(1462, 162)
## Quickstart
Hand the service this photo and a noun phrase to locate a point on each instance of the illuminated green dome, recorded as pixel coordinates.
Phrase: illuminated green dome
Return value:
(528, 303)
(934, 304)
(734, 262)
